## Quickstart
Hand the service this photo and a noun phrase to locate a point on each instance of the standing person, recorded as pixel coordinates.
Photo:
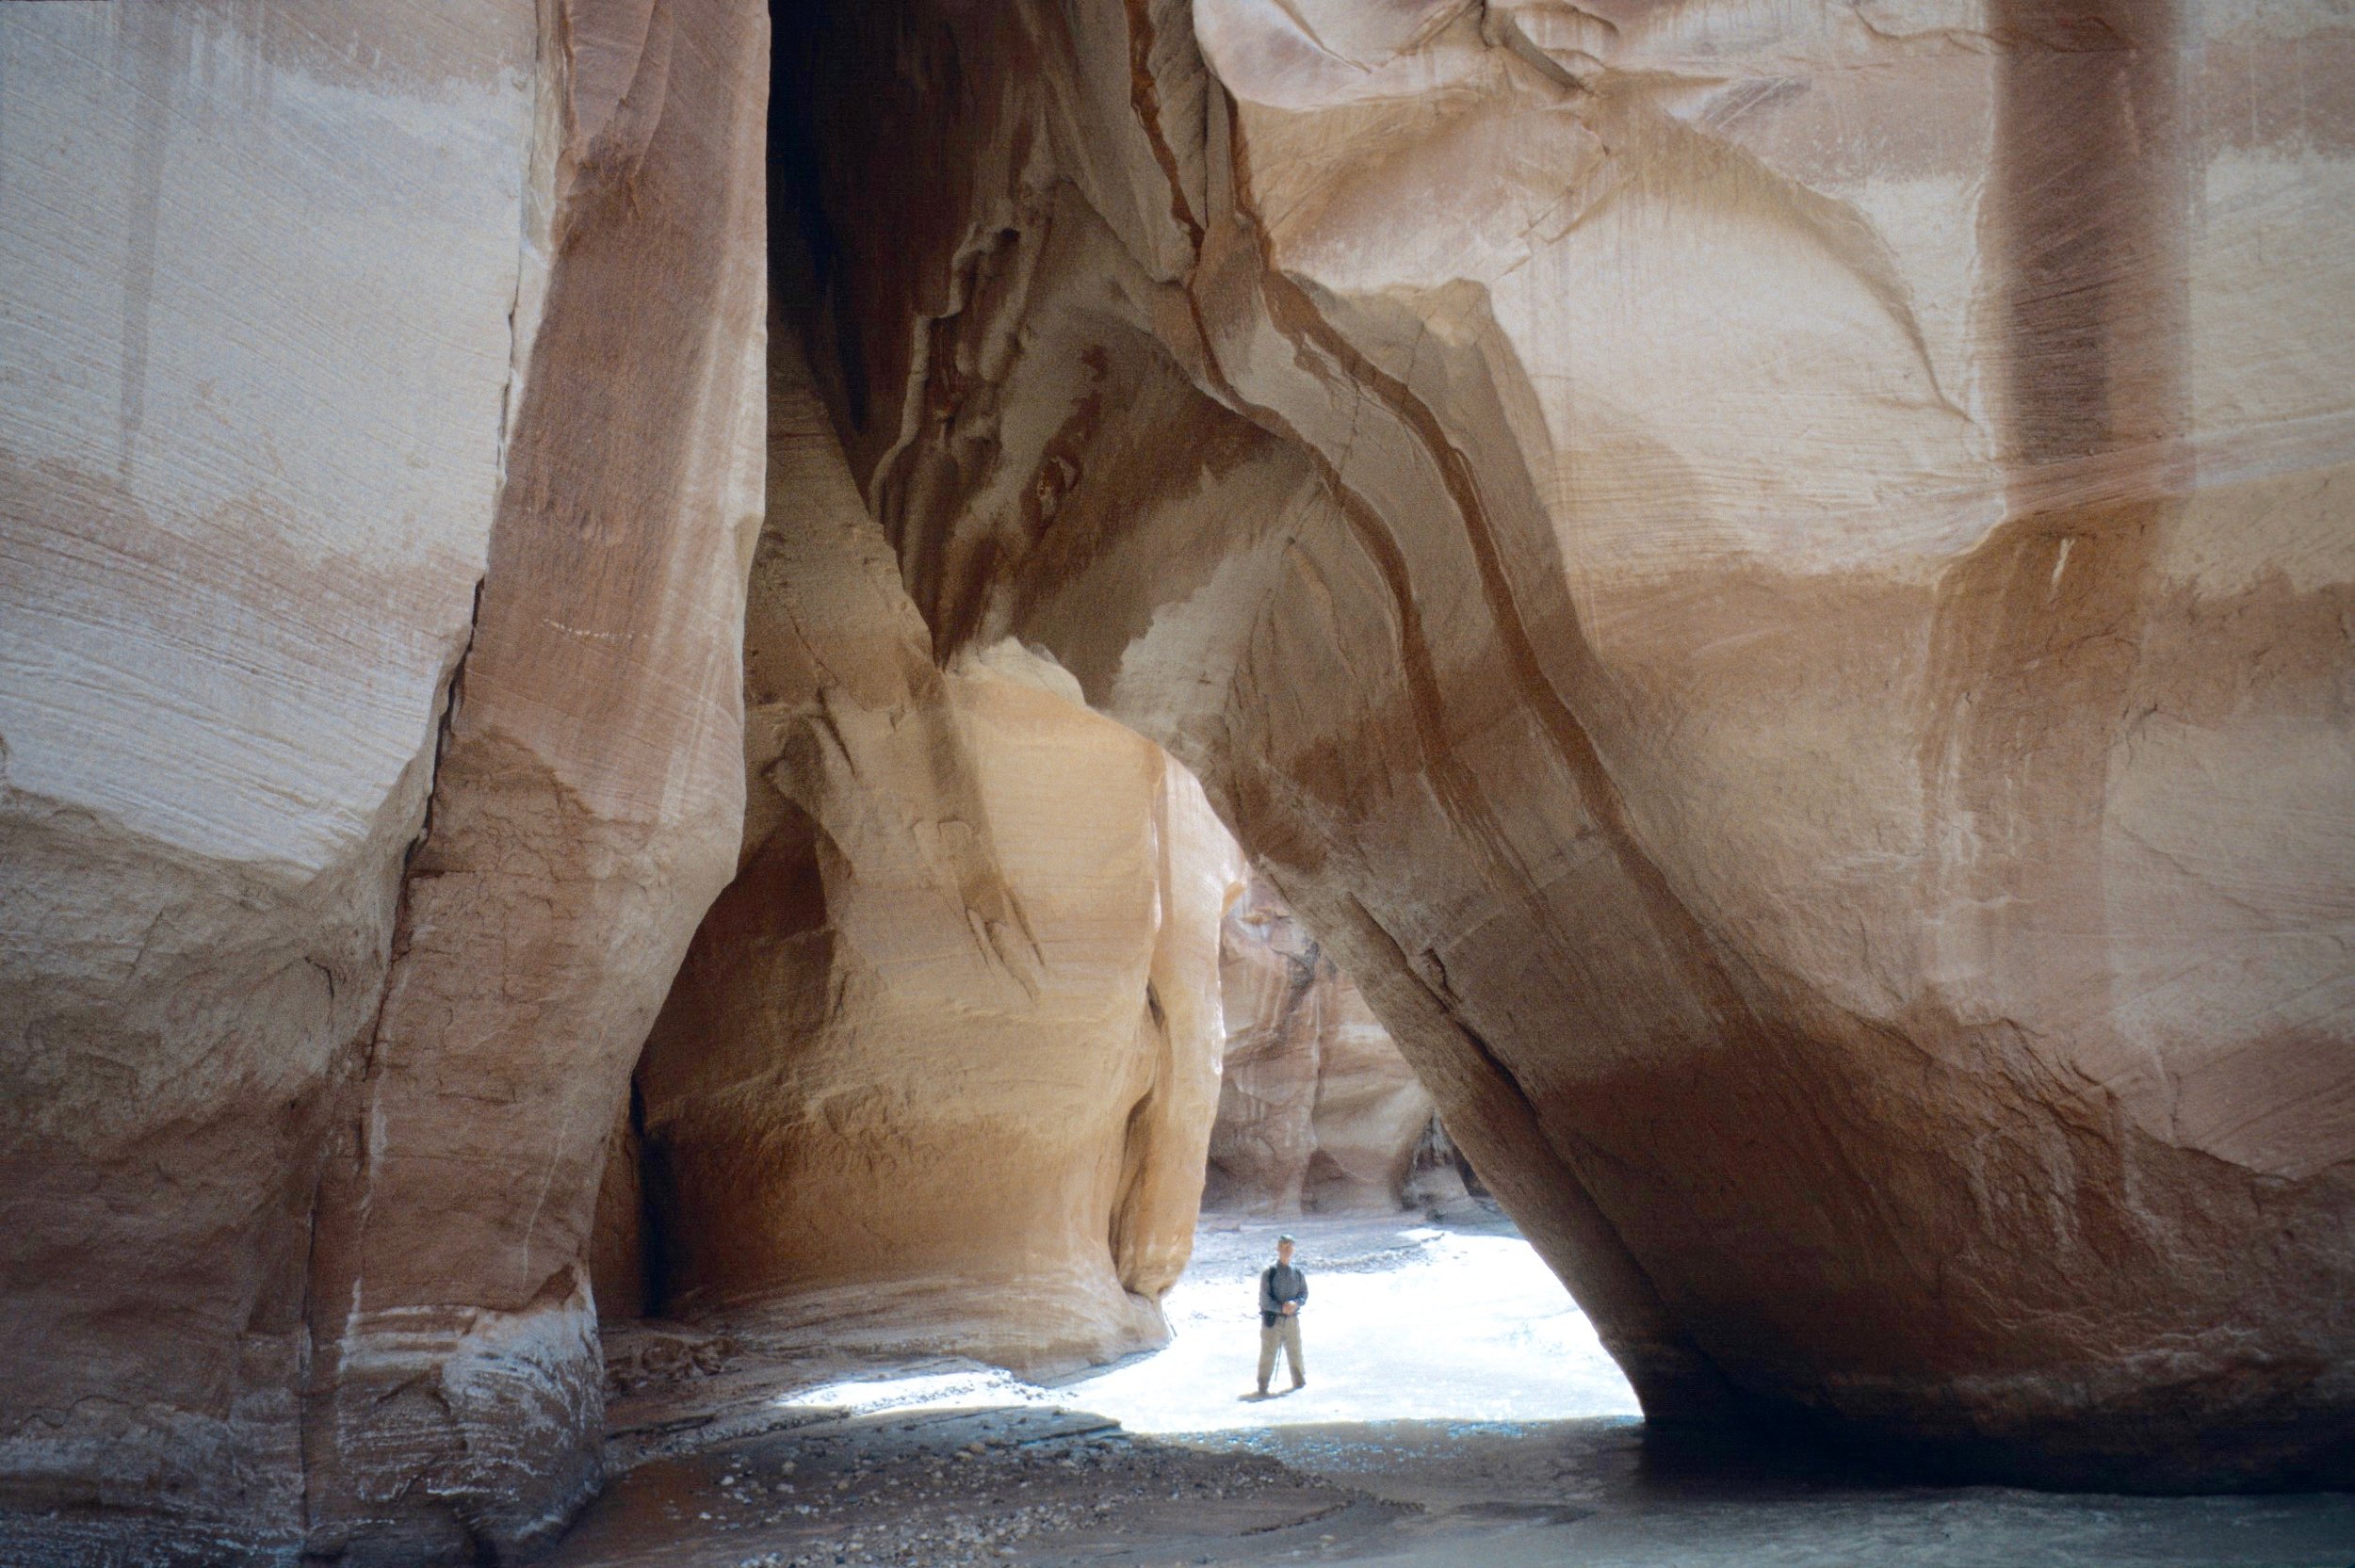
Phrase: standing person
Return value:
(1283, 1287)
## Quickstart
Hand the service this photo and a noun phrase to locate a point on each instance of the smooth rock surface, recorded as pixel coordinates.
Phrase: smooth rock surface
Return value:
(586, 803)
(1317, 1110)
(248, 474)
(939, 1069)
(368, 713)
(1775, 582)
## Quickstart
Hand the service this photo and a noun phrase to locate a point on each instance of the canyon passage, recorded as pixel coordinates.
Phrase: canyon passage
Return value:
(677, 676)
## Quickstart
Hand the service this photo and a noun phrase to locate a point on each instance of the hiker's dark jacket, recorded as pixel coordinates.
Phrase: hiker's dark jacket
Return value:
(1280, 1282)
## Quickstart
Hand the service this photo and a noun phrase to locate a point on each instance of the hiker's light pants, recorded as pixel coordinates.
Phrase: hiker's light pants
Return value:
(1284, 1331)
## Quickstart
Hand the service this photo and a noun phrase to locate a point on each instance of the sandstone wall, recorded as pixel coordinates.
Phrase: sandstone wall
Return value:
(940, 1067)
(368, 718)
(1317, 1109)
(1772, 578)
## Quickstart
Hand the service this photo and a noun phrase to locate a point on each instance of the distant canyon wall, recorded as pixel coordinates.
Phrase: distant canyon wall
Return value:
(1317, 1109)
(1772, 580)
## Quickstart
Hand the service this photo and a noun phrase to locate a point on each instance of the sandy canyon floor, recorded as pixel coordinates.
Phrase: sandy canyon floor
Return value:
(1459, 1411)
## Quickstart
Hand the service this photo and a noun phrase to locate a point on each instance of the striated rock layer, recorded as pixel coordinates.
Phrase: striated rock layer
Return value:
(940, 1067)
(369, 698)
(1773, 579)
(1317, 1110)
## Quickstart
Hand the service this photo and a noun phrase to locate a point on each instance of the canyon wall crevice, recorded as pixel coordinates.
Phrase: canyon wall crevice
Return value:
(586, 803)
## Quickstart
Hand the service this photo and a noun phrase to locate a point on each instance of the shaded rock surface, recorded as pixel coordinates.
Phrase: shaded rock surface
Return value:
(940, 1066)
(239, 569)
(1317, 1110)
(1773, 581)
(370, 705)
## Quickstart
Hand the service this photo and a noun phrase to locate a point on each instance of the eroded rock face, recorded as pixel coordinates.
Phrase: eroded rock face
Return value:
(1772, 580)
(940, 1067)
(322, 978)
(586, 803)
(1317, 1110)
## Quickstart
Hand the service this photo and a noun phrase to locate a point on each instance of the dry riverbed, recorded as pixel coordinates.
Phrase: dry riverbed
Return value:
(1503, 1444)
(968, 1488)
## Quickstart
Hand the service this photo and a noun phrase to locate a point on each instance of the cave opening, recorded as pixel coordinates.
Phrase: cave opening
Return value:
(1313, 1120)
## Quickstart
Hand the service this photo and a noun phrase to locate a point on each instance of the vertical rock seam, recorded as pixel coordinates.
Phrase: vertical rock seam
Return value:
(585, 811)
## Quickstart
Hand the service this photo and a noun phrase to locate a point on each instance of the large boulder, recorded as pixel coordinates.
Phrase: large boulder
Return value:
(1772, 580)
(1317, 1109)
(368, 691)
(940, 1070)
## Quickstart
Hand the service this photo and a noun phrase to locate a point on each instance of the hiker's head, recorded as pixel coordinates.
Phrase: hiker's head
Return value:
(1283, 1249)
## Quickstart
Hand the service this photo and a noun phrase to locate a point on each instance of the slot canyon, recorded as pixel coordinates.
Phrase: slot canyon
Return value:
(684, 682)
